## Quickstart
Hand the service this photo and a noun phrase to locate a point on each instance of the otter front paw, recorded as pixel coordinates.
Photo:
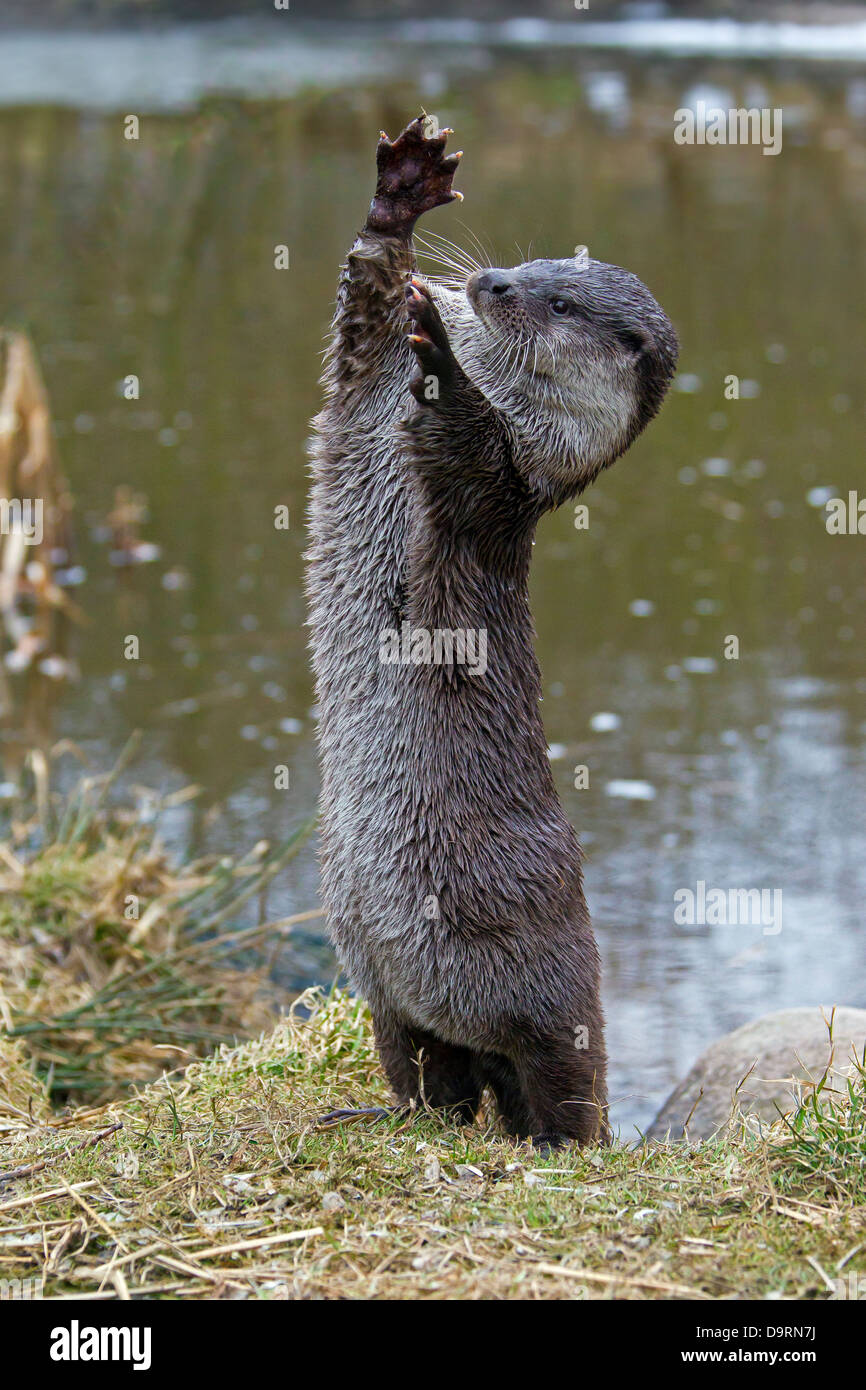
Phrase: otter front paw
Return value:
(436, 363)
(414, 176)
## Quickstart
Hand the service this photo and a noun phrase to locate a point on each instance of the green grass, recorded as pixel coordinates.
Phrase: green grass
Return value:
(228, 1155)
(824, 1143)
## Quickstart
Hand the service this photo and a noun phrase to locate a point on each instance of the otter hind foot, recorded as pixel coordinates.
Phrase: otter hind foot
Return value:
(545, 1145)
(414, 177)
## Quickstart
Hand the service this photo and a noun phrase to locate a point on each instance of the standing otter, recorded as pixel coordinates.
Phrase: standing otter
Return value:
(451, 877)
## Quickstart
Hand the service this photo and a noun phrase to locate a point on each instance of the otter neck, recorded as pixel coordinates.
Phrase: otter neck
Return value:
(468, 567)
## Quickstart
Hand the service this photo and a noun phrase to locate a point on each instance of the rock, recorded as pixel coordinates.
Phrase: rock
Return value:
(467, 1172)
(785, 1047)
(332, 1201)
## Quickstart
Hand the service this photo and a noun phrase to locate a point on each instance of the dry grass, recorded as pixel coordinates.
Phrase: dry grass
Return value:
(213, 1180)
(219, 1185)
(115, 963)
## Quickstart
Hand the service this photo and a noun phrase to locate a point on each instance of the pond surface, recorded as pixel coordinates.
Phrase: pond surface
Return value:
(156, 257)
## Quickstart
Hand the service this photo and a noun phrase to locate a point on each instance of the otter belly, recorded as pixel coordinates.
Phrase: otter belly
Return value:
(452, 890)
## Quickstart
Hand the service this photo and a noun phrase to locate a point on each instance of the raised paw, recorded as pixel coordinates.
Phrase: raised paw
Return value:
(414, 176)
(429, 342)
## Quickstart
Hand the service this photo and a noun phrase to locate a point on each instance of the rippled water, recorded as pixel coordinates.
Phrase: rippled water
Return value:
(156, 257)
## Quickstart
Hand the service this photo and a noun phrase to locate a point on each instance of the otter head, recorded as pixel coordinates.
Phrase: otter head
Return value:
(576, 354)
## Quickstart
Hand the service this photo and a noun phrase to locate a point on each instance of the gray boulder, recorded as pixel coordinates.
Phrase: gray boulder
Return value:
(781, 1049)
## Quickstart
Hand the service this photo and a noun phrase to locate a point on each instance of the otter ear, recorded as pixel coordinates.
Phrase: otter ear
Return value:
(634, 340)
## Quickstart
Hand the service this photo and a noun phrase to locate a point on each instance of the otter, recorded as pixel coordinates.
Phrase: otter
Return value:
(454, 417)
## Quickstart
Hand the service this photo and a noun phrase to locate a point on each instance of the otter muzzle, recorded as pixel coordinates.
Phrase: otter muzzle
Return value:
(495, 283)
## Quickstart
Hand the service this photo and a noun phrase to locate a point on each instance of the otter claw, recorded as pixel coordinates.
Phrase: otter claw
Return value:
(332, 1118)
(425, 317)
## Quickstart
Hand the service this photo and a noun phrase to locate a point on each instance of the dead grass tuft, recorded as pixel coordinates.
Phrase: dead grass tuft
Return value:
(115, 962)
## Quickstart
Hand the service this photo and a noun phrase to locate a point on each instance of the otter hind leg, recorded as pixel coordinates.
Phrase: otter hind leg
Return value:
(566, 1093)
(500, 1074)
(563, 1089)
(424, 1070)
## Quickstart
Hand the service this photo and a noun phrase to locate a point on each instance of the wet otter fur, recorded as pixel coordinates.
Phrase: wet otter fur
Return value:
(454, 417)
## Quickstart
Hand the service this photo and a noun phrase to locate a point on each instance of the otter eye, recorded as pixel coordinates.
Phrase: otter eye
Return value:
(559, 306)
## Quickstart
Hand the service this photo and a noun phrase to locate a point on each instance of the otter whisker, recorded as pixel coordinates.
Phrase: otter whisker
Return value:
(449, 254)
(449, 278)
(493, 380)
(435, 253)
(550, 347)
(461, 252)
(510, 346)
(456, 274)
(515, 354)
(483, 251)
(501, 355)
(450, 267)
(518, 369)
(448, 282)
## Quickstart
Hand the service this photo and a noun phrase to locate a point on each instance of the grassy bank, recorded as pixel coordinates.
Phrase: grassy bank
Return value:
(116, 961)
(144, 1152)
(216, 1183)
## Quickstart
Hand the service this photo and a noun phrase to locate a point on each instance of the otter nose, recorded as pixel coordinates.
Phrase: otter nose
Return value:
(494, 281)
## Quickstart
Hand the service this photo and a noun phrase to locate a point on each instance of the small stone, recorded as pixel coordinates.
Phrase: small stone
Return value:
(332, 1201)
(466, 1172)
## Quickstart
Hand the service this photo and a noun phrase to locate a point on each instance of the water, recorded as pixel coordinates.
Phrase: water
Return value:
(156, 258)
